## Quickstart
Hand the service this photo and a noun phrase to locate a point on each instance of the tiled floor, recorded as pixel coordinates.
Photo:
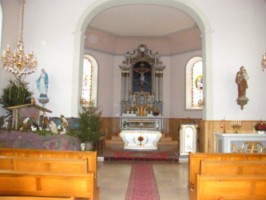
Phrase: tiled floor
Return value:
(171, 180)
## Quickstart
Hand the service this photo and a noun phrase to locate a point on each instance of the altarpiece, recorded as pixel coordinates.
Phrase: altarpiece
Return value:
(141, 94)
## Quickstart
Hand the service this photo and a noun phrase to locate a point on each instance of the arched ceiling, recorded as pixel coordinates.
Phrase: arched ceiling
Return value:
(167, 28)
(142, 21)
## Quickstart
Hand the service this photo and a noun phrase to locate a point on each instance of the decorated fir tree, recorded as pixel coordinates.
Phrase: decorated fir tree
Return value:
(16, 93)
(90, 124)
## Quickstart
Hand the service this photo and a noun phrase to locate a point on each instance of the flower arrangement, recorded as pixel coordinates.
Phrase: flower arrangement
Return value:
(260, 126)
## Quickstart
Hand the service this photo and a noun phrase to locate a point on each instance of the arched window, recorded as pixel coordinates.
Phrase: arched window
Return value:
(89, 81)
(194, 83)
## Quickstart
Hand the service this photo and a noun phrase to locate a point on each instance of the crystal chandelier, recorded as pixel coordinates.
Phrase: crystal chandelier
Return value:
(18, 62)
(263, 61)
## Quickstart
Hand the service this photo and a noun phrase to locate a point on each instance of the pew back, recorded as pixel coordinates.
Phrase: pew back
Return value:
(47, 184)
(56, 165)
(91, 156)
(232, 167)
(34, 198)
(231, 187)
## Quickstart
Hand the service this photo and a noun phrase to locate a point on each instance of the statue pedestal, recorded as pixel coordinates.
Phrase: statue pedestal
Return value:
(43, 101)
(140, 139)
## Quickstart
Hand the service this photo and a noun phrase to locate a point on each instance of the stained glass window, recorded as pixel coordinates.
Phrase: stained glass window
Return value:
(89, 83)
(197, 85)
(194, 84)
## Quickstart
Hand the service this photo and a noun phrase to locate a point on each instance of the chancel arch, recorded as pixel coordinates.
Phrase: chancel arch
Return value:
(187, 7)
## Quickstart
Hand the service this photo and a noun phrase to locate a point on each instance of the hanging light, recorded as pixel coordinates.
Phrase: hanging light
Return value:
(263, 61)
(18, 62)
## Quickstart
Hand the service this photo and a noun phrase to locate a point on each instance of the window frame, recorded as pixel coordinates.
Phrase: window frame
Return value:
(94, 81)
(189, 83)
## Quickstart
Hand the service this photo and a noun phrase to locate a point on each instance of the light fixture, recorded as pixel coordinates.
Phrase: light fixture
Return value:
(18, 62)
(263, 61)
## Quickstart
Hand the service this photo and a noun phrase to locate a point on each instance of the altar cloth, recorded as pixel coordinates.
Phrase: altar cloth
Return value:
(140, 139)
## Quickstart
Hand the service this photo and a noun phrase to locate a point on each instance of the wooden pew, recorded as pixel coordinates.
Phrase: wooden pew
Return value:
(90, 157)
(34, 198)
(46, 184)
(195, 160)
(56, 165)
(250, 187)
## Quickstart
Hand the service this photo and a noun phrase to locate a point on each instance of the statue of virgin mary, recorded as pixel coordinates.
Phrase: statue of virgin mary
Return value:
(42, 84)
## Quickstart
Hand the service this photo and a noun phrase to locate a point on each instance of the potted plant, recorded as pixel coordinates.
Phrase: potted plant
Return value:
(90, 124)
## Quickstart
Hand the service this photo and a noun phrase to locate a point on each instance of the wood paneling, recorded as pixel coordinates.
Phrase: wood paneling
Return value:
(206, 129)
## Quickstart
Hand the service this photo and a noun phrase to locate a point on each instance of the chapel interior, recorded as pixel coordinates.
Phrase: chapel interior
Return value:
(143, 79)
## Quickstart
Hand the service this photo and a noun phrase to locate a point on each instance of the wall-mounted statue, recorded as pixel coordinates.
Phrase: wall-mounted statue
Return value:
(242, 85)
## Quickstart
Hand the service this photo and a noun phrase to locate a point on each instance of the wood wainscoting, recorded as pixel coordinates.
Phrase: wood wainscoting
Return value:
(206, 129)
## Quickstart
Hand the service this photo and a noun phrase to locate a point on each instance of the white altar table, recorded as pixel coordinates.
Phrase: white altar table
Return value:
(140, 139)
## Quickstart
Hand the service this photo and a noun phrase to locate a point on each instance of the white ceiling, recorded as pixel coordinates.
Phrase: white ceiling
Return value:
(142, 21)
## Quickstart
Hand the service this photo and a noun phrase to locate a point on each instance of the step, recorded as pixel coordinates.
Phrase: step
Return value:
(169, 139)
(119, 143)
(115, 137)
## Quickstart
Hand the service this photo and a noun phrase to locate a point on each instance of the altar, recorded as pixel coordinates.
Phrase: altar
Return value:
(244, 142)
(140, 139)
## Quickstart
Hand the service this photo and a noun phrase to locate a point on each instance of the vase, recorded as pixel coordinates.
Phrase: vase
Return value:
(261, 132)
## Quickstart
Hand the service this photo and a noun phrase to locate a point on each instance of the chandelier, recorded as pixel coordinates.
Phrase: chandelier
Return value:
(263, 62)
(18, 62)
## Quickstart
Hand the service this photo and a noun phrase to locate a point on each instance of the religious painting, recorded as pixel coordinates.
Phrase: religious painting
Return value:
(142, 77)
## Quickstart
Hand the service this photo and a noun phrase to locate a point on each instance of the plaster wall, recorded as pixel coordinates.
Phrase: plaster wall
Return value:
(237, 37)
(178, 91)
(238, 32)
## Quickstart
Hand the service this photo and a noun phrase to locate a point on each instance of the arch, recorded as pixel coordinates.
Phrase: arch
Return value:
(185, 5)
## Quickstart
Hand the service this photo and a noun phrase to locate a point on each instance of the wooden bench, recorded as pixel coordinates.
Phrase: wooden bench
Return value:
(195, 160)
(46, 184)
(46, 160)
(56, 165)
(35, 198)
(239, 187)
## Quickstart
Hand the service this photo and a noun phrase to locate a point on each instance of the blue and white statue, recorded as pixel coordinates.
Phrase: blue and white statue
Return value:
(42, 84)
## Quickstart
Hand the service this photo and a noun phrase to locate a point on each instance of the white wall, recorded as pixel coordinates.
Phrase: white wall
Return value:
(238, 38)
(10, 35)
(237, 32)
(178, 92)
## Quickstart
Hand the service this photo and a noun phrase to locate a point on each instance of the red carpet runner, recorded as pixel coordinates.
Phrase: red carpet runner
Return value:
(142, 183)
(131, 155)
